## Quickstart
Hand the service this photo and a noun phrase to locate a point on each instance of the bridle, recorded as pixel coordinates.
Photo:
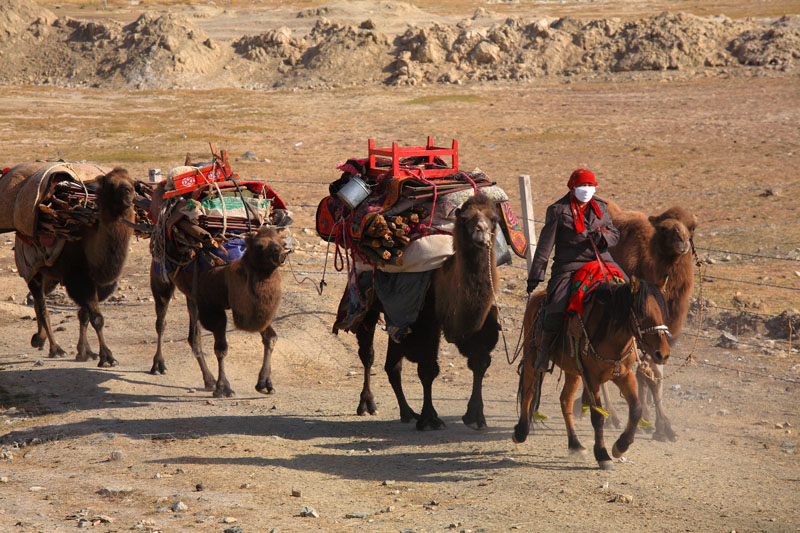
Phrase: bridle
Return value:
(639, 333)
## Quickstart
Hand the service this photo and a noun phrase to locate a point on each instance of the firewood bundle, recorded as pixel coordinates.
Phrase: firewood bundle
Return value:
(386, 236)
(72, 207)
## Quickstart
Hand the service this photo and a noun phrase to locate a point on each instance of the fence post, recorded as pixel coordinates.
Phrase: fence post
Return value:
(527, 216)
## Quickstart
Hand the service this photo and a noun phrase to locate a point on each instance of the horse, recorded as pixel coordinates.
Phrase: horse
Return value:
(615, 318)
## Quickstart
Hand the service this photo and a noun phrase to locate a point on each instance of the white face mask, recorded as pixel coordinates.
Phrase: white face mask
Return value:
(584, 193)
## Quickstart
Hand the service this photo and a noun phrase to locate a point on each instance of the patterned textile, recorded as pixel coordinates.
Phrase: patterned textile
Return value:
(514, 234)
(586, 279)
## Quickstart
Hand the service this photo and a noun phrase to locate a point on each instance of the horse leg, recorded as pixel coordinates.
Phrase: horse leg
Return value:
(600, 452)
(36, 286)
(627, 385)
(209, 381)
(663, 427)
(613, 416)
(394, 367)
(365, 335)
(162, 293)
(84, 352)
(528, 380)
(571, 383)
(268, 338)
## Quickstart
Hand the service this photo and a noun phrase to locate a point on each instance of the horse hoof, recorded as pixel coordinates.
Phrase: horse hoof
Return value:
(37, 341)
(616, 452)
(520, 434)
(606, 465)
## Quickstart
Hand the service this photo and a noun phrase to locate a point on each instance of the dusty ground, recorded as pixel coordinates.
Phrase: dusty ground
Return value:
(713, 145)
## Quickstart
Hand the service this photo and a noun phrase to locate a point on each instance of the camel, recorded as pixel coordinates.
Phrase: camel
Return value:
(658, 249)
(89, 268)
(250, 286)
(460, 301)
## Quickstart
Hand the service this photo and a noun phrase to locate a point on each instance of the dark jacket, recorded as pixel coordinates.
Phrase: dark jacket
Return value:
(573, 249)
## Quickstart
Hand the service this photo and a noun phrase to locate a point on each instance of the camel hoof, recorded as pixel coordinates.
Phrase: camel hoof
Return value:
(432, 424)
(578, 451)
(615, 422)
(57, 352)
(664, 436)
(406, 417)
(158, 368)
(606, 465)
(108, 363)
(366, 408)
(37, 341)
(265, 389)
(478, 424)
(225, 393)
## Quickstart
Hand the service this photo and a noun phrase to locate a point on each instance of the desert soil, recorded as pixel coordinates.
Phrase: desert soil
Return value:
(118, 448)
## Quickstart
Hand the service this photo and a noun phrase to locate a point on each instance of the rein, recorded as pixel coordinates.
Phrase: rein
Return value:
(616, 362)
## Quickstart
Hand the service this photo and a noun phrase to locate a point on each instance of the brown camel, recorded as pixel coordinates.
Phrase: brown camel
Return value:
(658, 249)
(89, 267)
(460, 302)
(249, 286)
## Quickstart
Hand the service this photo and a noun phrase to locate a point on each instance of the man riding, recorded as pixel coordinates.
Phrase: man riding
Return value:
(580, 228)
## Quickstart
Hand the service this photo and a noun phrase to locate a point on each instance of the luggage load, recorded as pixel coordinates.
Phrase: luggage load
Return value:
(413, 196)
(200, 213)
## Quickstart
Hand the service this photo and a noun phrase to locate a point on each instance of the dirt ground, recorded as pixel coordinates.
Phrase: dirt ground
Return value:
(119, 448)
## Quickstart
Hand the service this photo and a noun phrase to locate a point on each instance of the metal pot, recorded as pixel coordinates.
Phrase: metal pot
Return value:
(354, 192)
(502, 254)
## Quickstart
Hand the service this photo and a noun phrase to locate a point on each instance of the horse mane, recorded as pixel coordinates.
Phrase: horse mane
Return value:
(619, 302)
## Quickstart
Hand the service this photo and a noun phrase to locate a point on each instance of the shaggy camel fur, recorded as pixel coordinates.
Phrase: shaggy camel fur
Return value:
(89, 267)
(459, 302)
(658, 249)
(249, 286)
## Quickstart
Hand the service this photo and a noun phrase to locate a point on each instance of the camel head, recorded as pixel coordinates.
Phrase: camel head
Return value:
(476, 221)
(266, 249)
(674, 230)
(116, 192)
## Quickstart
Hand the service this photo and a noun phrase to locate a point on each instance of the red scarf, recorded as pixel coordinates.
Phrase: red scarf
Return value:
(577, 212)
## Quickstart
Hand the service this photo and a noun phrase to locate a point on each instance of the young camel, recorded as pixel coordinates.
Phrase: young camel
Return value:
(460, 302)
(249, 286)
(89, 268)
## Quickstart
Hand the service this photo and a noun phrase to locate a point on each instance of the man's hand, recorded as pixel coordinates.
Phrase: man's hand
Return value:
(532, 284)
(599, 239)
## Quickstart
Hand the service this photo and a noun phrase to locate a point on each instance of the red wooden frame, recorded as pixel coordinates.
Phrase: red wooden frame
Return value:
(395, 153)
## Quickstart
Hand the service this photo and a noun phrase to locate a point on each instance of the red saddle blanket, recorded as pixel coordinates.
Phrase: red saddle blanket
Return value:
(586, 279)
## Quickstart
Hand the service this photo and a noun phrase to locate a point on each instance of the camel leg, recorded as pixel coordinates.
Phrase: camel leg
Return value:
(84, 352)
(268, 338)
(478, 351)
(216, 321)
(162, 293)
(527, 391)
(394, 367)
(664, 429)
(427, 370)
(36, 286)
(571, 383)
(97, 322)
(365, 335)
(600, 452)
(209, 382)
(612, 413)
(627, 385)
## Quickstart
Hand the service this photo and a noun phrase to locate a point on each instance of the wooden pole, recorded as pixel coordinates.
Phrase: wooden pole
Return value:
(527, 216)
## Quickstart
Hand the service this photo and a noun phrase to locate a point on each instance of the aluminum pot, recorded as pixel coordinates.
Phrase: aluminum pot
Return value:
(354, 192)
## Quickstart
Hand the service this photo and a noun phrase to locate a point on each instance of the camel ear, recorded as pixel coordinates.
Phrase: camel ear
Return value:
(653, 220)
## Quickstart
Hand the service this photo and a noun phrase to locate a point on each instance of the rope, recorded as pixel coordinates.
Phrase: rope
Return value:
(496, 303)
(305, 278)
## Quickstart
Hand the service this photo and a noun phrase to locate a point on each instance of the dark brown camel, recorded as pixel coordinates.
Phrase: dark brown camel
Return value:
(612, 316)
(460, 302)
(658, 249)
(249, 286)
(89, 268)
